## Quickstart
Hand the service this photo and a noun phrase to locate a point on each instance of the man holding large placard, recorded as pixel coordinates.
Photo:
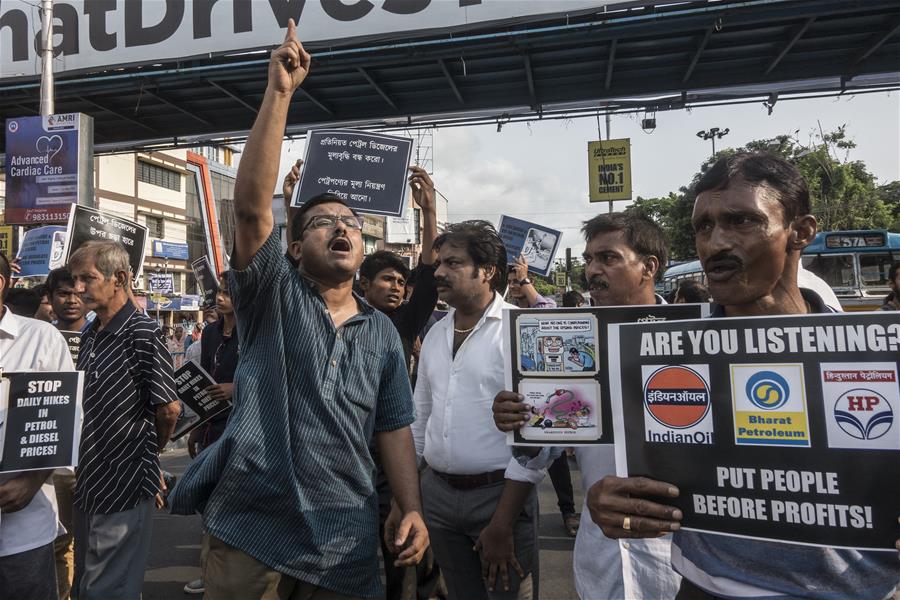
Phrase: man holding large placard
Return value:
(752, 220)
(623, 256)
(27, 498)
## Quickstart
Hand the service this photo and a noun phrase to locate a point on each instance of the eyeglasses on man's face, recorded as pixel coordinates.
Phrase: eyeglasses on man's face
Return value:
(330, 222)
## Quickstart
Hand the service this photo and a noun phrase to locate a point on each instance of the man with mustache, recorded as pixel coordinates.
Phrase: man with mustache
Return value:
(479, 530)
(624, 257)
(130, 410)
(287, 492)
(522, 292)
(751, 221)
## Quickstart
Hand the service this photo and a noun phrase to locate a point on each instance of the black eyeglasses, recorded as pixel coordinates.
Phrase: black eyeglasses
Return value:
(330, 221)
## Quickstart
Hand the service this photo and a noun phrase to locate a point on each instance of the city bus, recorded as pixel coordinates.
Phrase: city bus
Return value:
(854, 263)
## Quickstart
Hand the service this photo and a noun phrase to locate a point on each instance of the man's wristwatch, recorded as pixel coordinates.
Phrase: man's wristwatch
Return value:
(525, 281)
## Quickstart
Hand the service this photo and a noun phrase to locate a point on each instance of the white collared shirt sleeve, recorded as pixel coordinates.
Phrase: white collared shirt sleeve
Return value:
(423, 403)
(532, 469)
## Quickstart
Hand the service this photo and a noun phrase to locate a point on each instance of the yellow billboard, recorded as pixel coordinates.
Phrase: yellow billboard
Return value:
(609, 170)
(6, 241)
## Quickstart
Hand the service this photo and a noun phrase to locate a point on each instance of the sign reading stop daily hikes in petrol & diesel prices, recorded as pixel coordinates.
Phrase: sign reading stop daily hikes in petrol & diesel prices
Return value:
(40, 420)
(368, 171)
(191, 382)
(779, 428)
(558, 363)
(609, 170)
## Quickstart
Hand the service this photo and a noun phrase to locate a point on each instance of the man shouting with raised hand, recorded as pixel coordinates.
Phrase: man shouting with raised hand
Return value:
(287, 492)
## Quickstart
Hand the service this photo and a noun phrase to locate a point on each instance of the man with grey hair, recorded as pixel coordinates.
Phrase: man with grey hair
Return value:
(130, 410)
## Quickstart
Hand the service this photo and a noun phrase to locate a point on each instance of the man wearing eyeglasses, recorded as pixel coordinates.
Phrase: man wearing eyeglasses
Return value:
(287, 492)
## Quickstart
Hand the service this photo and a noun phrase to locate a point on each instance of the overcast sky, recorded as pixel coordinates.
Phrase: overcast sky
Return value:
(538, 171)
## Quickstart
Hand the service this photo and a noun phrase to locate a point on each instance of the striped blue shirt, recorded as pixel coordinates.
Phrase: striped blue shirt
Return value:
(290, 482)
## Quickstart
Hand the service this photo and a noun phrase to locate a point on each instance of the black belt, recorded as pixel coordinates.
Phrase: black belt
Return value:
(470, 482)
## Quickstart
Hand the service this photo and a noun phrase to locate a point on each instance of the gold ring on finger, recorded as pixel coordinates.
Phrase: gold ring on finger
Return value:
(626, 524)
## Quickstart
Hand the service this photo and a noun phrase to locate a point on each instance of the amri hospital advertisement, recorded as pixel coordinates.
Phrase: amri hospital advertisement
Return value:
(48, 167)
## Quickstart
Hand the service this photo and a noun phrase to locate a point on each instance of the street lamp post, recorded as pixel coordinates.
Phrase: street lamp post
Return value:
(711, 134)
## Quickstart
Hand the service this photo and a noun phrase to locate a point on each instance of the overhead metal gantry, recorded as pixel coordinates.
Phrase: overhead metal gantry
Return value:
(657, 57)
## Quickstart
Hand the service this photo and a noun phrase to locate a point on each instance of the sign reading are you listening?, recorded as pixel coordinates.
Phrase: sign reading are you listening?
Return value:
(779, 428)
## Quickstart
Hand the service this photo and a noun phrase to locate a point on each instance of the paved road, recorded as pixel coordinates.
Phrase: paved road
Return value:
(175, 552)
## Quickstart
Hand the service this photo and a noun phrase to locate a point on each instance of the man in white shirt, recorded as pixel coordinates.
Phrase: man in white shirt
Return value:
(481, 525)
(28, 515)
(623, 257)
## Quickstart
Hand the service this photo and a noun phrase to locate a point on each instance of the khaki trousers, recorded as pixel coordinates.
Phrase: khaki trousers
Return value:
(229, 574)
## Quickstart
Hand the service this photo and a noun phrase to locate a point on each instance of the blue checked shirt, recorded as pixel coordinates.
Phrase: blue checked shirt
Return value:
(291, 480)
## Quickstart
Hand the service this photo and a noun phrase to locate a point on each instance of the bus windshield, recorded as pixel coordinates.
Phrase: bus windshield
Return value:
(874, 268)
(835, 269)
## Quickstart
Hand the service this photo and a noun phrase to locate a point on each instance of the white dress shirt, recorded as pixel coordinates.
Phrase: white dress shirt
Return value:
(454, 429)
(31, 345)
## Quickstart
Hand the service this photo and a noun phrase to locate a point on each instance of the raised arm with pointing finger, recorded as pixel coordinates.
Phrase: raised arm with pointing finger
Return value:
(258, 169)
(321, 375)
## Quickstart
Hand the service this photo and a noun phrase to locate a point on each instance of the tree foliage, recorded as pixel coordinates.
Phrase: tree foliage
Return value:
(843, 193)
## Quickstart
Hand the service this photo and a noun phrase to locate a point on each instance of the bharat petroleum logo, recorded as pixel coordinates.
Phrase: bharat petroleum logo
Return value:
(768, 390)
(676, 397)
(863, 414)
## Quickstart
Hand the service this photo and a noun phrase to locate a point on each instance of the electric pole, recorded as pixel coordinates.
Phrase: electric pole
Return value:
(46, 12)
(711, 134)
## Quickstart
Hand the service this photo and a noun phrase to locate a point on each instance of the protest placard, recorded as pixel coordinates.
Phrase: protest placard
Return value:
(40, 420)
(191, 381)
(558, 363)
(207, 280)
(41, 250)
(366, 170)
(73, 341)
(778, 428)
(89, 224)
(537, 243)
(162, 284)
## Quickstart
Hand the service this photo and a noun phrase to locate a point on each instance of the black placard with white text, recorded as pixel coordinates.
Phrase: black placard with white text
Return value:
(40, 420)
(778, 428)
(366, 170)
(191, 381)
(73, 341)
(558, 362)
(207, 280)
(89, 224)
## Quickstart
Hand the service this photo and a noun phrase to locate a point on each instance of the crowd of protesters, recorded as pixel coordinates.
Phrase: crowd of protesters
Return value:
(330, 452)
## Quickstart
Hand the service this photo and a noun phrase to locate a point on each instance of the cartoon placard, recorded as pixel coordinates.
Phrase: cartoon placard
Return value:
(561, 412)
(558, 362)
(557, 344)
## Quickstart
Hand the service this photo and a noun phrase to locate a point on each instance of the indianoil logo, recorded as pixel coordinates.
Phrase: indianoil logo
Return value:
(676, 397)
(677, 404)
